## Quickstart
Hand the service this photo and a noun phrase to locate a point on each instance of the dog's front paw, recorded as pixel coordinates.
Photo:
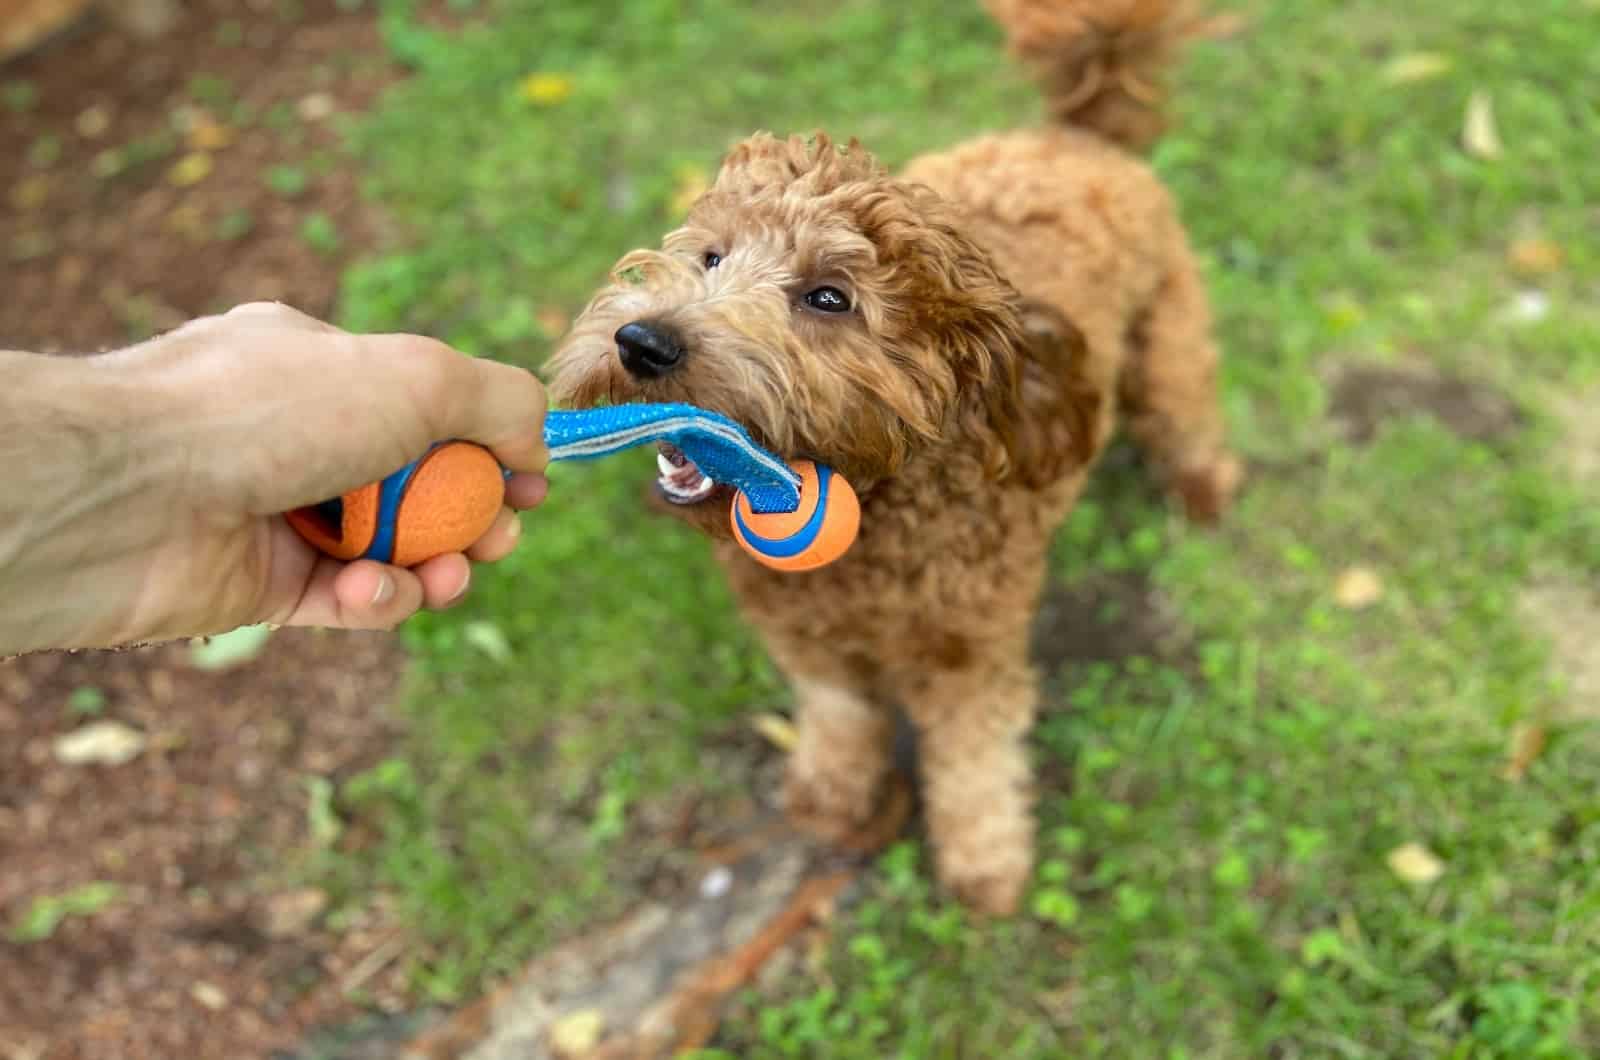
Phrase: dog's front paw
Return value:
(996, 894)
(830, 808)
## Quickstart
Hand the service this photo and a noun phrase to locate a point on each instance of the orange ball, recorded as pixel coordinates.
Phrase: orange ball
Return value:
(442, 503)
(814, 535)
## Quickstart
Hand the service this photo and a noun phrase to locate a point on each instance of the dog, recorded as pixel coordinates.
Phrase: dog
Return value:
(958, 340)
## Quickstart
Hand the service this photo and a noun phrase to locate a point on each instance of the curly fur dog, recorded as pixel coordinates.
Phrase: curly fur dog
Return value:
(957, 340)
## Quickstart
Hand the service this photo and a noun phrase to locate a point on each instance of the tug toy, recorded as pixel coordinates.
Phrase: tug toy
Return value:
(790, 517)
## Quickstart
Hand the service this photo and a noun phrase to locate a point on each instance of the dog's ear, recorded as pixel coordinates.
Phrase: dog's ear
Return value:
(1059, 411)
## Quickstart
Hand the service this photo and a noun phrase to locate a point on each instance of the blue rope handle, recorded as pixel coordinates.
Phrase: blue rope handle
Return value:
(722, 450)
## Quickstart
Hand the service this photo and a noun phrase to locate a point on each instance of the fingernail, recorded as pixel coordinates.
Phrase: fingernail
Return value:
(385, 591)
(466, 583)
(514, 531)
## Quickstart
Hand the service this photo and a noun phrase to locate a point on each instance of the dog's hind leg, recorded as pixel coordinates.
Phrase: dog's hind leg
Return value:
(1169, 393)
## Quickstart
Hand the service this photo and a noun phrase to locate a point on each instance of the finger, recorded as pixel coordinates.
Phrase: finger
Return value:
(526, 491)
(444, 580)
(360, 595)
(499, 540)
(496, 405)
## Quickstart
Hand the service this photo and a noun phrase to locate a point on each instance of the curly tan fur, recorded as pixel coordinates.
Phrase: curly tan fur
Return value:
(1010, 297)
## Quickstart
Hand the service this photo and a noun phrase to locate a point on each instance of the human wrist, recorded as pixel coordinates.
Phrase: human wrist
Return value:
(71, 483)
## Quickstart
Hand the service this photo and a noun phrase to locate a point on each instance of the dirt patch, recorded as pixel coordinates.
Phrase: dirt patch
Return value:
(1105, 618)
(202, 952)
(141, 183)
(1366, 397)
(1567, 615)
(148, 182)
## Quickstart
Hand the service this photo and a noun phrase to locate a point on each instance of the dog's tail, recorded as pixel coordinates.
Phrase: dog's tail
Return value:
(1100, 62)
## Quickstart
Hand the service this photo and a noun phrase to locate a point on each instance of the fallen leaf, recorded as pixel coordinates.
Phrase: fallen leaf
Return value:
(1357, 588)
(209, 995)
(1527, 743)
(47, 912)
(229, 649)
(1535, 257)
(778, 730)
(190, 170)
(322, 819)
(546, 90)
(100, 743)
(692, 183)
(31, 193)
(489, 639)
(575, 1035)
(1415, 863)
(319, 106)
(1416, 66)
(207, 134)
(1479, 135)
(93, 122)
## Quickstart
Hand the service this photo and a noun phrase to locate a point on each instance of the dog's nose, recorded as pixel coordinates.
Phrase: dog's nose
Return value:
(648, 349)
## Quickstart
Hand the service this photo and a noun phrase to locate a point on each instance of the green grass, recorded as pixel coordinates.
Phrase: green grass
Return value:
(1213, 877)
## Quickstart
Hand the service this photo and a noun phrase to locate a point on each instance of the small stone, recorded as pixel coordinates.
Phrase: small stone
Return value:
(106, 743)
(209, 995)
(717, 882)
(293, 912)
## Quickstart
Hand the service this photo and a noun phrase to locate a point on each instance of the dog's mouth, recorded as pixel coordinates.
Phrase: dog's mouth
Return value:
(679, 481)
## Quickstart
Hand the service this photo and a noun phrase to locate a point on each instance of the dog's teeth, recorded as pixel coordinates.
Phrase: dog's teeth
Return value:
(666, 467)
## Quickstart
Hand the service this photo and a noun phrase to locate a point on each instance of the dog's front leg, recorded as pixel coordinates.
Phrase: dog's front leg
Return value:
(840, 759)
(977, 786)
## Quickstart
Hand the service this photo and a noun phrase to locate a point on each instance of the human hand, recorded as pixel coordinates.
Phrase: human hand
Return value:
(187, 450)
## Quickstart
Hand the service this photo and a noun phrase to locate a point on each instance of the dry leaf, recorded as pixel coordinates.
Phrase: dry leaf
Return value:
(1535, 257)
(208, 135)
(1479, 135)
(30, 194)
(1527, 743)
(546, 90)
(1415, 863)
(1357, 588)
(209, 995)
(575, 1035)
(1415, 66)
(190, 169)
(778, 730)
(100, 743)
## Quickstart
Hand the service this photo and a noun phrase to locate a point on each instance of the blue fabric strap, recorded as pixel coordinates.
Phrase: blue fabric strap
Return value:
(722, 450)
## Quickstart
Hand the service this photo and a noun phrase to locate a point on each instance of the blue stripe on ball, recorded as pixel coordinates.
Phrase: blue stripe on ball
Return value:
(801, 539)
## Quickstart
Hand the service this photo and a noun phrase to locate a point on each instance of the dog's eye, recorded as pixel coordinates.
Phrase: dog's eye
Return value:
(711, 259)
(829, 300)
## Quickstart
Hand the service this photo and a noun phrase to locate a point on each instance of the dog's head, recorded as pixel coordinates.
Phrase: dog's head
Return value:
(838, 314)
